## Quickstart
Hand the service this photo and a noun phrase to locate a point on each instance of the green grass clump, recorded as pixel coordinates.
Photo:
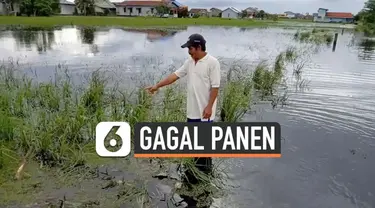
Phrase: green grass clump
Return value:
(266, 79)
(236, 96)
(315, 36)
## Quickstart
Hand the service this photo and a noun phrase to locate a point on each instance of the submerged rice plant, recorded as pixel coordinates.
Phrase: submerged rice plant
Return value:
(315, 36)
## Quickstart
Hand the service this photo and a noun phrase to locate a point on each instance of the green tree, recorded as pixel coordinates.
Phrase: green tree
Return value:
(261, 14)
(244, 14)
(369, 12)
(86, 7)
(39, 7)
(162, 9)
(366, 18)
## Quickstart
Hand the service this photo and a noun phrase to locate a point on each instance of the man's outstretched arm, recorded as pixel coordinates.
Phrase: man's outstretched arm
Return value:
(181, 72)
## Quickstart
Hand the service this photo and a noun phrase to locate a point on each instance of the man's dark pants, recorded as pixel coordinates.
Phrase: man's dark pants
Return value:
(204, 164)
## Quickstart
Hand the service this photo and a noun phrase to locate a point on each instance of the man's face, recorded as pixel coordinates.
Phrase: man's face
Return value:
(193, 52)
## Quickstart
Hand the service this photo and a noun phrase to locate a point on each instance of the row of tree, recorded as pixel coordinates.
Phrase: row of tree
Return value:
(366, 18)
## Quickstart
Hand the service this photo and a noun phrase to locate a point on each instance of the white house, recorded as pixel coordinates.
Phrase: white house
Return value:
(231, 12)
(145, 7)
(324, 16)
(9, 8)
(67, 7)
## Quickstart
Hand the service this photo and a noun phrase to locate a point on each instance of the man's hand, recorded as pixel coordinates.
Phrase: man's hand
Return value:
(152, 89)
(207, 112)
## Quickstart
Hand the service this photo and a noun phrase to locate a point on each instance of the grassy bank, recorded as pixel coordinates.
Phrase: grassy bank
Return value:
(126, 21)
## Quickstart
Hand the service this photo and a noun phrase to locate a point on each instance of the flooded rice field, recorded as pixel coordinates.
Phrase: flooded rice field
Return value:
(328, 124)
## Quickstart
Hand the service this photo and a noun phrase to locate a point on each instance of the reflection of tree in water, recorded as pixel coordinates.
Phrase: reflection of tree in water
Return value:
(87, 35)
(366, 49)
(42, 39)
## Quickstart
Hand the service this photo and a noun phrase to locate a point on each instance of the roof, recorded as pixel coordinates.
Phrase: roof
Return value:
(323, 9)
(213, 8)
(197, 10)
(233, 9)
(66, 2)
(339, 15)
(178, 4)
(104, 4)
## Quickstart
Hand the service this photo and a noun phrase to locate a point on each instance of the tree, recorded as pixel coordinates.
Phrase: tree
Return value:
(162, 9)
(39, 7)
(86, 7)
(369, 12)
(244, 14)
(183, 12)
(261, 14)
(367, 18)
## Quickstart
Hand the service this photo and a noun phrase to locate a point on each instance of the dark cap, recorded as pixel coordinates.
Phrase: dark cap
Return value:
(194, 39)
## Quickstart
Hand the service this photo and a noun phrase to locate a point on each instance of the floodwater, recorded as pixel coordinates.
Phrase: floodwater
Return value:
(328, 126)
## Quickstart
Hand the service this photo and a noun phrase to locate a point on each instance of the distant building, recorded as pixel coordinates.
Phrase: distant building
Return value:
(9, 8)
(290, 14)
(199, 12)
(231, 12)
(215, 12)
(338, 17)
(67, 7)
(146, 8)
(251, 12)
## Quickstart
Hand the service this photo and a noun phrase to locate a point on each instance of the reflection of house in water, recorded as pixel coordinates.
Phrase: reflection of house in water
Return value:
(154, 34)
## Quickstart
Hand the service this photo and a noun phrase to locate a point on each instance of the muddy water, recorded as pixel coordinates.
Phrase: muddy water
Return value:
(328, 128)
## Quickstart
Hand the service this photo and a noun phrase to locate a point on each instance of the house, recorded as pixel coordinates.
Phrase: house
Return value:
(147, 8)
(231, 12)
(289, 14)
(104, 7)
(215, 12)
(251, 12)
(299, 16)
(338, 17)
(198, 12)
(67, 7)
(7, 8)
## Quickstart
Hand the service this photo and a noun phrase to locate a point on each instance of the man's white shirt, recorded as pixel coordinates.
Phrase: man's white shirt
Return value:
(201, 77)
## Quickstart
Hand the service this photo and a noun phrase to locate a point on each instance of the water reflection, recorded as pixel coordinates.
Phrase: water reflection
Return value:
(366, 49)
(153, 35)
(42, 39)
(87, 35)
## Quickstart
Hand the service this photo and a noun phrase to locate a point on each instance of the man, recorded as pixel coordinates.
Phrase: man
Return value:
(203, 81)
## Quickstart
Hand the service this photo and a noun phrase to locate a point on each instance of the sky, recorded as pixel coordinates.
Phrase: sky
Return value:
(279, 6)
